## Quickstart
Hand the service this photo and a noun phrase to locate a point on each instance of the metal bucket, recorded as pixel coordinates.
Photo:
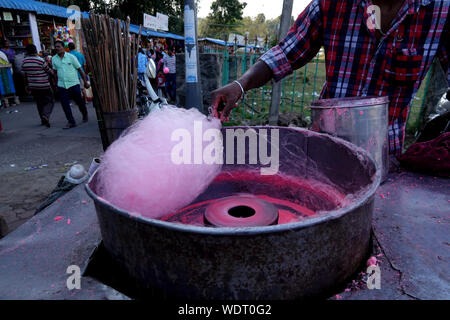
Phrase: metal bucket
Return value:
(117, 122)
(362, 121)
(285, 261)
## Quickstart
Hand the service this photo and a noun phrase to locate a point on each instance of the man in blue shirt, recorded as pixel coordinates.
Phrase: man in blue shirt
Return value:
(82, 61)
(142, 64)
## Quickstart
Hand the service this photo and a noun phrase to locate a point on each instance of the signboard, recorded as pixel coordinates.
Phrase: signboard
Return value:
(163, 21)
(190, 45)
(160, 22)
(7, 16)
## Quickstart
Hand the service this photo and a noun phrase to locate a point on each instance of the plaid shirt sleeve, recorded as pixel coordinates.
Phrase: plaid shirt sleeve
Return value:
(301, 44)
(444, 53)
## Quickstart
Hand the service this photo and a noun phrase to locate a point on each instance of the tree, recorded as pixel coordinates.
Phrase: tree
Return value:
(120, 9)
(224, 17)
(136, 9)
(260, 18)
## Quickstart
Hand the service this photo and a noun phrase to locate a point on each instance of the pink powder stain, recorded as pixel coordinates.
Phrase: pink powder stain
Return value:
(52, 285)
(361, 112)
(316, 187)
(296, 207)
(341, 111)
(338, 297)
(103, 199)
(382, 196)
(77, 233)
(372, 261)
(347, 290)
(83, 201)
(68, 221)
(285, 216)
(58, 218)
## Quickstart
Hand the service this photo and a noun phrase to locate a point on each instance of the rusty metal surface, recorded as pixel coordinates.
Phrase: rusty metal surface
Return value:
(275, 262)
(359, 120)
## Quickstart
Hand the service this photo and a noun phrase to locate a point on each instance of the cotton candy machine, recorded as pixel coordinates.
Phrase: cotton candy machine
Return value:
(288, 235)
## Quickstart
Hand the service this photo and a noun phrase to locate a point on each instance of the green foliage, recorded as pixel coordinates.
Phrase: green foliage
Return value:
(224, 18)
(121, 9)
(227, 12)
(258, 27)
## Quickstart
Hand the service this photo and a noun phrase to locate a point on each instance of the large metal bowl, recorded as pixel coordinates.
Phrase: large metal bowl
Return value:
(287, 261)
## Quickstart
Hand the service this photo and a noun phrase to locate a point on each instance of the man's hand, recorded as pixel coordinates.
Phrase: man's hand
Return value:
(258, 75)
(228, 96)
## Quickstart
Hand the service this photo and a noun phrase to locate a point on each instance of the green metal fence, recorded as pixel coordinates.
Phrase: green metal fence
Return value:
(298, 90)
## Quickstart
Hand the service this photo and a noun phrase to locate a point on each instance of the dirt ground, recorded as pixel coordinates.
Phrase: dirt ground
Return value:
(33, 158)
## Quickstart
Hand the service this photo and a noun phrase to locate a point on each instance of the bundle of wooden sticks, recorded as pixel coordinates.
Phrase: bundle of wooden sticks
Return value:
(111, 54)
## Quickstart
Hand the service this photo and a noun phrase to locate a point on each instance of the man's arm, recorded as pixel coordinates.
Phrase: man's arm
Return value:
(77, 66)
(258, 75)
(54, 69)
(300, 46)
(47, 68)
(25, 80)
(85, 79)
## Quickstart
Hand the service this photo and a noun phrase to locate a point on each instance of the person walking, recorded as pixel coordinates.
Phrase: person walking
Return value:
(67, 68)
(160, 78)
(9, 76)
(142, 64)
(170, 63)
(82, 61)
(10, 53)
(36, 75)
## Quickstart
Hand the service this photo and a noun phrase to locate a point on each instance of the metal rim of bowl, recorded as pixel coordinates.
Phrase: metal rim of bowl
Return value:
(323, 216)
(344, 102)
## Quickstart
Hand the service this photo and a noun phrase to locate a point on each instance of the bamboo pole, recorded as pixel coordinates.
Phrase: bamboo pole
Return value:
(112, 57)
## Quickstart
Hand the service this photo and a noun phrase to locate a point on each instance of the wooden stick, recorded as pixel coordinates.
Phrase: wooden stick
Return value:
(112, 57)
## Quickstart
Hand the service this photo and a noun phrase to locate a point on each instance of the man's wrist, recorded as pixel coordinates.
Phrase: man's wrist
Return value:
(241, 88)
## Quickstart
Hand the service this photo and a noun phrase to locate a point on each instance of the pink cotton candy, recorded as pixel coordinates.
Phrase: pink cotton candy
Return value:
(138, 172)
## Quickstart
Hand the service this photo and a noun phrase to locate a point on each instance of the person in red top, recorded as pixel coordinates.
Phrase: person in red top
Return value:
(372, 48)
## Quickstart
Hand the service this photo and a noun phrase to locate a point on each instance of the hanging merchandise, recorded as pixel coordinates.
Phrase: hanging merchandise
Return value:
(63, 34)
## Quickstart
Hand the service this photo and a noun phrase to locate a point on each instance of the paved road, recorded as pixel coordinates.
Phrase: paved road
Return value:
(25, 143)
